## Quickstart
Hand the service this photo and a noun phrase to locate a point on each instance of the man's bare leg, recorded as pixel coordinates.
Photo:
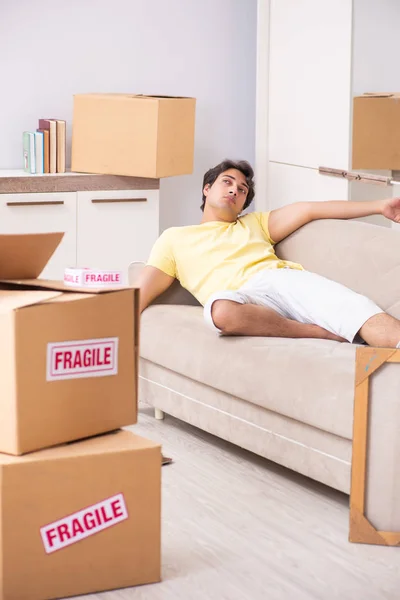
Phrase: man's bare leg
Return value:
(382, 331)
(233, 318)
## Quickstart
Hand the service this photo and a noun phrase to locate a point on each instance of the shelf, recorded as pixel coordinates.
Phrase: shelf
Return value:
(17, 181)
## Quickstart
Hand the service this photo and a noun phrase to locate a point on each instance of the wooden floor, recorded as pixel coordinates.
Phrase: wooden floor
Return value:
(237, 527)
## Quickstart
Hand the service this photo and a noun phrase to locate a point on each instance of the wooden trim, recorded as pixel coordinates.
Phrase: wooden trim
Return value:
(113, 200)
(392, 359)
(392, 539)
(74, 183)
(362, 532)
(368, 360)
(38, 203)
(359, 445)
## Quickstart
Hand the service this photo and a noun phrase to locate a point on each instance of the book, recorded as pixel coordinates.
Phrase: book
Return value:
(46, 150)
(25, 147)
(61, 142)
(28, 141)
(39, 154)
(51, 126)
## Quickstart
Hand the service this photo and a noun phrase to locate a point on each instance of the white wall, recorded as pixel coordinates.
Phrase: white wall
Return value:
(50, 50)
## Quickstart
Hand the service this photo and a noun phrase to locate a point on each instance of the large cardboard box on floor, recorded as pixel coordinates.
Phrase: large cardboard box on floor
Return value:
(128, 134)
(80, 518)
(376, 131)
(68, 358)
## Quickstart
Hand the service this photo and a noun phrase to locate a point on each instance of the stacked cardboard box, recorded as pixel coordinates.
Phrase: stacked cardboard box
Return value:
(133, 134)
(376, 131)
(80, 498)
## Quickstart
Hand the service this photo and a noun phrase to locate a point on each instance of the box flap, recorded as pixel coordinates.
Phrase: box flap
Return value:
(160, 96)
(49, 284)
(10, 300)
(24, 256)
(61, 297)
(122, 96)
(107, 443)
(380, 95)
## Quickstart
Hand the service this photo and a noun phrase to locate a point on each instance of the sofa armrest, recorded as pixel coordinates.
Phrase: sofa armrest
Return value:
(175, 294)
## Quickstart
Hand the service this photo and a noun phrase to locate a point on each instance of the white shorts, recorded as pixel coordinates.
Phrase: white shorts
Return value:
(305, 297)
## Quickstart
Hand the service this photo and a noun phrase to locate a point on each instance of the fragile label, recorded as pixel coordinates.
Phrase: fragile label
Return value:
(92, 278)
(82, 358)
(82, 524)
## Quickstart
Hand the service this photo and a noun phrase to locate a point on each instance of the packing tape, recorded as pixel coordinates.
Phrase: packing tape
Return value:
(94, 278)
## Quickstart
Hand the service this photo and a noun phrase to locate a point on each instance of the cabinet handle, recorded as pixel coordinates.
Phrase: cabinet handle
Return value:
(109, 200)
(38, 203)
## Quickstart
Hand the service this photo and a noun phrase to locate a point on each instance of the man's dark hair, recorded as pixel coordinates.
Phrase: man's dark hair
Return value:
(241, 165)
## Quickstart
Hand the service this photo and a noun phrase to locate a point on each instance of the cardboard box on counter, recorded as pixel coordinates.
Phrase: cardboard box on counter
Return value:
(68, 357)
(376, 131)
(80, 518)
(136, 135)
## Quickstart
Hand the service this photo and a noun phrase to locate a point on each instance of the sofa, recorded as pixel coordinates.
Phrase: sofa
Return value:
(288, 400)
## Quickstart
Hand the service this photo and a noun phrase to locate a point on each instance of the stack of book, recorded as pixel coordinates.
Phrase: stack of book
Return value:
(44, 149)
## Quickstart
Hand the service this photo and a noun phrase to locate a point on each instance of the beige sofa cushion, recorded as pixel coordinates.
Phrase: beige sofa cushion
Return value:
(363, 256)
(308, 380)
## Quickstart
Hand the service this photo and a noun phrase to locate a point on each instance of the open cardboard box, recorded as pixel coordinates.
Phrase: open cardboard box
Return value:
(68, 358)
(80, 518)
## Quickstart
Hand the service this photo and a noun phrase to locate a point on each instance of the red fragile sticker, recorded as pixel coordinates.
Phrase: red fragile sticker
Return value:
(84, 523)
(82, 358)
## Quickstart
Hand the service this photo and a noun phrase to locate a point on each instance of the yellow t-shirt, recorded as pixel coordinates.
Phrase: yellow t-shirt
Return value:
(216, 256)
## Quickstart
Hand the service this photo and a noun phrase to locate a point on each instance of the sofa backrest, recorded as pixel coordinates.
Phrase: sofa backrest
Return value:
(360, 255)
(364, 257)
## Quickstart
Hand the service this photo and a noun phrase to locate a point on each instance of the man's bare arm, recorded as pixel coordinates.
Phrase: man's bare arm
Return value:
(152, 283)
(284, 221)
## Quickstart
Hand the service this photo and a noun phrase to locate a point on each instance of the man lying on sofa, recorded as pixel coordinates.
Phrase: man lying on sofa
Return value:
(228, 263)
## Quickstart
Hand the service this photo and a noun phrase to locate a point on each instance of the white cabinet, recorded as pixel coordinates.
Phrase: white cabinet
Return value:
(309, 82)
(313, 57)
(116, 227)
(103, 229)
(42, 213)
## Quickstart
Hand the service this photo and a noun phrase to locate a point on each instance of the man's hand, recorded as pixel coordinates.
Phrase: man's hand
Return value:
(391, 209)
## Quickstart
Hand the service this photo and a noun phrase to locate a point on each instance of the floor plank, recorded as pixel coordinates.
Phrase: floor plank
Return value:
(238, 527)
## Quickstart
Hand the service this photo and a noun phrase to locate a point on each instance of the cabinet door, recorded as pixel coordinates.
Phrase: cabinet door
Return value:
(116, 228)
(288, 184)
(310, 82)
(43, 213)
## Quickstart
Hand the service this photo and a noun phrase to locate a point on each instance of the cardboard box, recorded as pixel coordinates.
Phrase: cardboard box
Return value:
(127, 134)
(376, 132)
(80, 518)
(68, 358)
